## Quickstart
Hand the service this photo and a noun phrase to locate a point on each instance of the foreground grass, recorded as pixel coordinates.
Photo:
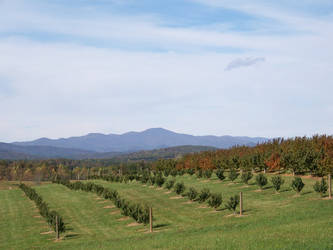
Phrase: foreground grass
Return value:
(271, 221)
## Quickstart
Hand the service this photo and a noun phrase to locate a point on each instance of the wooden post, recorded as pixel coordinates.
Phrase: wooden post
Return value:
(150, 219)
(329, 186)
(57, 228)
(240, 203)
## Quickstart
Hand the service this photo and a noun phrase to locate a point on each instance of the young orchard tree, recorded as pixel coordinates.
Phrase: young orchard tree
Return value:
(220, 174)
(277, 182)
(215, 200)
(261, 180)
(204, 195)
(179, 188)
(159, 180)
(192, 193)
(321, 187)
(169, 184)
(199, 173)
(208, 173)
(233, 203)
(191, 171)
(297, 184)
(233, 174)
(246, 176)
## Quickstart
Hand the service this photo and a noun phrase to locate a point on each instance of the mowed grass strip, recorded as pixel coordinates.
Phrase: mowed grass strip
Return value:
(20, 223)
(271, 220)
(90, 220)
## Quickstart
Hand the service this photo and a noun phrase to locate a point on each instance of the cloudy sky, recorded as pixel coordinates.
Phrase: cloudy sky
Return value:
(236, 67)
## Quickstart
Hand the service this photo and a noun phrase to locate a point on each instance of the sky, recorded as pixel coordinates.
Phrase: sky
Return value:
(218, 67)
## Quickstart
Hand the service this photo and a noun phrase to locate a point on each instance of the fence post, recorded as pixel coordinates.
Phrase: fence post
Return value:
(240, 203)
(57, 228)
(150, 219)
(329, 186)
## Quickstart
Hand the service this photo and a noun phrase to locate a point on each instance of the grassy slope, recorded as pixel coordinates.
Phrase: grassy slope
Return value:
(272, 221)
(20, 225)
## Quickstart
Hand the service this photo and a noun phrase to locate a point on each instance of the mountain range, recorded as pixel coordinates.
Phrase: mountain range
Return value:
(97, 145)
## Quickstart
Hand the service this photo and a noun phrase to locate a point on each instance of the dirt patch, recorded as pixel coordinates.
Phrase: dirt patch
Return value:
(133, 224)
(123, 218)
(98, 198)
(176, 197)
(231, 215)
(37, 216)
(188, 202)
(48, 232)
(203, 206)
(204, 181)
(151, 186)
(327, 198)
(258, 190)
(245, 186)
(111, 206)
(230, 184)
(160, 188)
(168, 192)
(115, 212)
(101, 202)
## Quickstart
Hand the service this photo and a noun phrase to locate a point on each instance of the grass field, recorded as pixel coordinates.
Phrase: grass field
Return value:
(271, 221)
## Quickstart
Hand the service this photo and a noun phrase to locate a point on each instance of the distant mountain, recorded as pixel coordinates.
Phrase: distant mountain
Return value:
(13, 152)
(154, 138)
(152, 155)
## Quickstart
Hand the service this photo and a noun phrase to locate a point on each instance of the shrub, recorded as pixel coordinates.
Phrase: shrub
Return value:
(166, 172)
(297, 184)
(159, 180)
(220, 174)
(208, 173)
(181, 172)
(246, 176)
(204, 195)
(174, 172)
(232, 203)
(192, 193)
(179, 188)
(199, 173)
(215, 200)
(169, 184)
(233, 175)
(277, 182)
(261, 180)
(320, 187)
(190, 171)
(152, 180)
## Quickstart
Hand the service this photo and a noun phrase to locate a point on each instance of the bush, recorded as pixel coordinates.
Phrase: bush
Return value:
(233, 203)
(208, 173)
(297, 184)
(277, 182)
(215, 200)
(179, 188)
(191, 171)
(181, 172)
(321, 187)
(159, 180)
(261, 180)
(169, 184)
(204, 195)
(220, 174)
(173, 172)
(233, 175)
(192, 193)
(199, 173)
(246, 176)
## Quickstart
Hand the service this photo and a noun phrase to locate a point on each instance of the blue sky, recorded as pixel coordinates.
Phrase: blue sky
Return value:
(256, 68)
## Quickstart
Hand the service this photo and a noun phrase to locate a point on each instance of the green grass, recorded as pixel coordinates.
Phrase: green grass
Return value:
(271, 221)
